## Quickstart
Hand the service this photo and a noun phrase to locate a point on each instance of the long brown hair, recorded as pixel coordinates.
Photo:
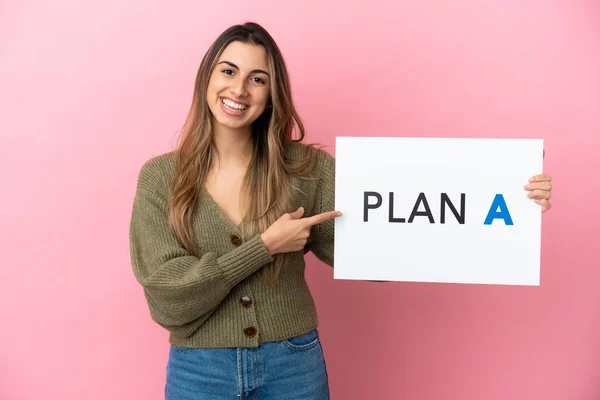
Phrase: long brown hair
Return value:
(266, 187)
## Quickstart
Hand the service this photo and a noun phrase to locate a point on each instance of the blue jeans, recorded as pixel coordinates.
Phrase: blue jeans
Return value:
(291, 369)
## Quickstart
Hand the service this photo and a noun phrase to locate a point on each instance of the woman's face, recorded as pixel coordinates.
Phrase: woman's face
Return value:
(239, 86)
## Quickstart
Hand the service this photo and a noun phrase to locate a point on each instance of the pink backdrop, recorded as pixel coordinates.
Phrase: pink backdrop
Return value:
(89, 91)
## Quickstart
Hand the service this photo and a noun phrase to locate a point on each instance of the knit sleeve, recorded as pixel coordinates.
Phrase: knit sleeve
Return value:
(183, 290)
(322, 235)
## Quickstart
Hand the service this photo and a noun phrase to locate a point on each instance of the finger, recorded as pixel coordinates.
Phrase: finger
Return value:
(298, 213)
(540, 194)
(539, 185)
(320, 218)
(541, 178)
(546, 205)
(300, 243)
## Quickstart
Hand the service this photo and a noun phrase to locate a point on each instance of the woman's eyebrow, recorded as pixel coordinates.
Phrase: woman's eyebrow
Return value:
(254, 71)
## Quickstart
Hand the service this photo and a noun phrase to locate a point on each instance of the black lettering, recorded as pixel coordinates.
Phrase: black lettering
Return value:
(391, 217)
(426, 213)
(368, 206)
(459, 217)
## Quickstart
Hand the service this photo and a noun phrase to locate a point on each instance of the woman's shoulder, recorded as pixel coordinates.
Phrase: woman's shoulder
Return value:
(298, 151)
(157, 171)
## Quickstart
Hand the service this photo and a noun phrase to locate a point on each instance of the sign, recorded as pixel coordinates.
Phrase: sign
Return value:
(437, 210)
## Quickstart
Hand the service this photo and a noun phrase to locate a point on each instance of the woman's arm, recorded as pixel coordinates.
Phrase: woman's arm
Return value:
(322, 235)
(183, 290)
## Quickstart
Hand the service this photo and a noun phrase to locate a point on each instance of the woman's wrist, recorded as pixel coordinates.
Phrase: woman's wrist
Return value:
(267, 243)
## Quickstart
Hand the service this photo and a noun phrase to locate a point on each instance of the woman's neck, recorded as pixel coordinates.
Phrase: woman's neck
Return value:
(234, 147)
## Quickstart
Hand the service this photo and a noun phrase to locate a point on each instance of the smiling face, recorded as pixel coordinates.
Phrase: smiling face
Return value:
(239, 86)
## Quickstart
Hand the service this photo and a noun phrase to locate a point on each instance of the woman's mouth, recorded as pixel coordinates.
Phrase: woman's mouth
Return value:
(232, 107)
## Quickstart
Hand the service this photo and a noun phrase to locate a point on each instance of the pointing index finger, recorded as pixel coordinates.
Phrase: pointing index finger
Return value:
(320, 218)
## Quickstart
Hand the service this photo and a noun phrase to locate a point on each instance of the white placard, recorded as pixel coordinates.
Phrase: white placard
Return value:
(413, 239)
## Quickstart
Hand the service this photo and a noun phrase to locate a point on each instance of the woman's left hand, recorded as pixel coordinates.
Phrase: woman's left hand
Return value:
(540, 189)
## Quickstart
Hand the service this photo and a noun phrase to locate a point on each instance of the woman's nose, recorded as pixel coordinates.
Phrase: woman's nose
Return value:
(239, 88)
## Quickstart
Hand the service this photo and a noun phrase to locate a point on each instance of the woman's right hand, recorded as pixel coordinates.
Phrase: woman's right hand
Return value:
(290, 232)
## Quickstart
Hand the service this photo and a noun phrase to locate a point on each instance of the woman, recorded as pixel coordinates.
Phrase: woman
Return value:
(220, 228)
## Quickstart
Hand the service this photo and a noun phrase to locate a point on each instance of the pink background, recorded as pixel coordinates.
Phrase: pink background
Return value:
(89, 91)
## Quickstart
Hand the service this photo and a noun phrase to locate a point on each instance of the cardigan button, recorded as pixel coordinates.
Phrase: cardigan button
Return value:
(246, 301)
(250, 331)
(236, 240)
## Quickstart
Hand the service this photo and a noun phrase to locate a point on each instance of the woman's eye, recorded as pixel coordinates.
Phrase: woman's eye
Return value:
(228, 71)
(258, 80)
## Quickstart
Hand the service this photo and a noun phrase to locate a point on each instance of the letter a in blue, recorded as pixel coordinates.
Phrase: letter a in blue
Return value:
(494, 213)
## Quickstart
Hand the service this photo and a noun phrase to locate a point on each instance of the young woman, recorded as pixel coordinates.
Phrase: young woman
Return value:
(221, 225)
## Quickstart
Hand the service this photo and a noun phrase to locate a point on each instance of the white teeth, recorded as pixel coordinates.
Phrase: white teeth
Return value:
(233, 105)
